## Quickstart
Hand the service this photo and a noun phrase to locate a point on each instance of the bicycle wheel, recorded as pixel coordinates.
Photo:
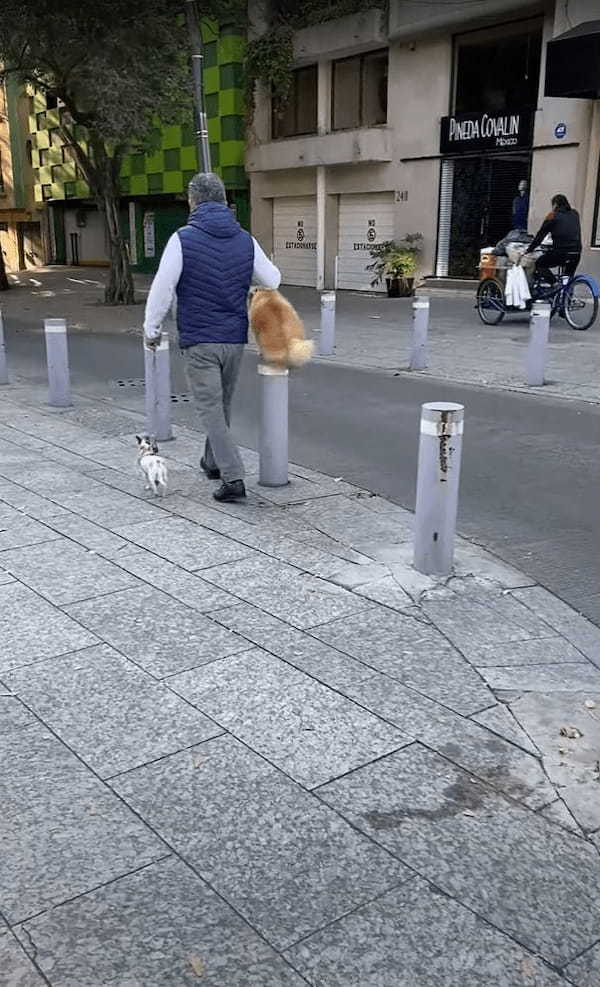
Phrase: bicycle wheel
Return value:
(490, 302)
(581, 305)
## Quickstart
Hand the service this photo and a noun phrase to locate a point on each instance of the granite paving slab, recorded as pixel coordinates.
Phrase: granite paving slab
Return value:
(577, 629)
(585, 970)
(186, 544)
(109, 508)
(387, 592)
(510, 866)
(473, 747)
(472, 623)
(16, 968)
(298, 490)
(558, 813)
(62, 831)
(298, 598)
(282, 859)
(30, 503)
(188, 587)
(301, 726)
(572, 763)
(32, 629)
(500, 720)
(565, 677)
(414, 936)
(91, 536)
(160, 634)
(412, 651)
(470, 559)
(64, 572)
(296, 647)
(49, 479)
(535, 651)
(113, 715)
(160, 926)
(20, 531)
(348, 521)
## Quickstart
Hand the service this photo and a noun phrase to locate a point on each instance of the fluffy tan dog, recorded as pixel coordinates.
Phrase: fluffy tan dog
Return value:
(278, 329)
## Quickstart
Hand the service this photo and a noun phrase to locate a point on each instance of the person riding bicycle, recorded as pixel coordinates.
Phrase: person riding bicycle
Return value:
(564, 227)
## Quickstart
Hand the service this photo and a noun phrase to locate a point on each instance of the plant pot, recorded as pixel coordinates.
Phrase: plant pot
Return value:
(400, 287)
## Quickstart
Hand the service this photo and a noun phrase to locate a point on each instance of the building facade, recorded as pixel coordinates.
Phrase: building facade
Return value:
(21, 219)
(154, 200)
(424, 119)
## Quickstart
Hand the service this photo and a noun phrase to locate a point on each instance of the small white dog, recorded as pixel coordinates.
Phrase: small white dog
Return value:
(152, 465)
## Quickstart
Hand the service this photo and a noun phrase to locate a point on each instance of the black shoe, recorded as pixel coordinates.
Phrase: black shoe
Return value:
(212, 474)
(230, 491)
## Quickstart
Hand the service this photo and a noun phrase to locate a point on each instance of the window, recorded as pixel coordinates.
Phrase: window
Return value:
(55, 138)
(359, 93)
(70, 190)
(1, 175)
(299, 114)
(44, 154)
(46, 192)
(498, 70)
(40, 120)
(68, 153)
(51, 101)
(29, 152)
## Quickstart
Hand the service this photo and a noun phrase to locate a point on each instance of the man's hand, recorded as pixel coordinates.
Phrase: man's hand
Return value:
(151, 342)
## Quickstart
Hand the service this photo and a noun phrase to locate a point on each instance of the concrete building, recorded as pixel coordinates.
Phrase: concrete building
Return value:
(20, 218)
(153, 186)
(422, 120)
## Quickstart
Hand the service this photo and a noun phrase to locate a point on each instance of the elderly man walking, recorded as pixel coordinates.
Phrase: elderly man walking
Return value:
(209, 265)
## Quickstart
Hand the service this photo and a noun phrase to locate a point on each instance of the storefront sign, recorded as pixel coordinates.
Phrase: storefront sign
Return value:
(300, 243)
(467, 132)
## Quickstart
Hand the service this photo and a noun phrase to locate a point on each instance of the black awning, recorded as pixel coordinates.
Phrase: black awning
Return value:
(573, 63)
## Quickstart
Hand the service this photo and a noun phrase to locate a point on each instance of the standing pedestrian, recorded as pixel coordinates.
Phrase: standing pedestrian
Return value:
(209, 265)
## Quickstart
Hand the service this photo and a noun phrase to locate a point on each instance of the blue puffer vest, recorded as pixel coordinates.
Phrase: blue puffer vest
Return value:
(218, 259)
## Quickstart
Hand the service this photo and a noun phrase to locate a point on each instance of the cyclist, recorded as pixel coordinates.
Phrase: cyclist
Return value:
(564, 227)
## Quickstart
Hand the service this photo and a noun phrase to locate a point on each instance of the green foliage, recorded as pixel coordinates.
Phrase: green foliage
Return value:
(395, 260)
(269, 58)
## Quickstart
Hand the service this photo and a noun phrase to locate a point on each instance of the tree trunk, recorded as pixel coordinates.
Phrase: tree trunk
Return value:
(4, 282)
(119, 290)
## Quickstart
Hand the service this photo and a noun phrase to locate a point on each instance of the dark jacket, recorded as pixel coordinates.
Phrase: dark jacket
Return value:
(565, 229)
(520, 209)
(218, 260)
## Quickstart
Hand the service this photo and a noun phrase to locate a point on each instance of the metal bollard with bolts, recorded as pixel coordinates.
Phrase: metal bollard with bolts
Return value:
(273, 438)
(3, 364)
(418, 354)
(157, 375)
(438, 477)
(539, 330)
(327, 338)
(57, 360)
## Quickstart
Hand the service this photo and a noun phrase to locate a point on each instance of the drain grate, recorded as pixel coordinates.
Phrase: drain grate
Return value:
(139, 382)
(179, 397)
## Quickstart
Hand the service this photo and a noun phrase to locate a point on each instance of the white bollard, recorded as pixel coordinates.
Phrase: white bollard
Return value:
(327, 338)
(438, 477)
(539, 331)
(3, 364)
(57, 359)
(273, 438)
(157, 375)
(418, 355)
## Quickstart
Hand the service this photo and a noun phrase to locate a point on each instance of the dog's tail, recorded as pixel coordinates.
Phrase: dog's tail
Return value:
(300, 352)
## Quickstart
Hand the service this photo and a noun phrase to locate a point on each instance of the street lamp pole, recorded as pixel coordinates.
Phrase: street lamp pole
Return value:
(197, 49)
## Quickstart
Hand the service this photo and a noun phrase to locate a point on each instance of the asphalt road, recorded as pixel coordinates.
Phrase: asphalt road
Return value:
(531, 470)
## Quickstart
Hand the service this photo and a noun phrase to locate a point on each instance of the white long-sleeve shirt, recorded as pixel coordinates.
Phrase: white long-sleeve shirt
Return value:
(162, 293)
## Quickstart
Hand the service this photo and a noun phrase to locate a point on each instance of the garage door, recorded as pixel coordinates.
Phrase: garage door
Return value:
(295, 239)
(364, 221)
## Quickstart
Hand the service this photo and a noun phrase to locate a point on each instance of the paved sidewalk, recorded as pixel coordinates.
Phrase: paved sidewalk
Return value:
(249, 746)
(373, 332)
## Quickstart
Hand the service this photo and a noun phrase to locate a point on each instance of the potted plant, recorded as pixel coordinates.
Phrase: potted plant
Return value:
(396, 263)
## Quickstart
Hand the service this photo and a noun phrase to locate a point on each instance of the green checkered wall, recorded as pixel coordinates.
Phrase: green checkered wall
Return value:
(171, 166)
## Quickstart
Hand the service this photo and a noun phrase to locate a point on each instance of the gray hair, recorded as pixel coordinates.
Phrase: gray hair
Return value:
(206, 187)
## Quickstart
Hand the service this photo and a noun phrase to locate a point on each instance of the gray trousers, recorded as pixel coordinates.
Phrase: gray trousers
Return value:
(212, 371)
